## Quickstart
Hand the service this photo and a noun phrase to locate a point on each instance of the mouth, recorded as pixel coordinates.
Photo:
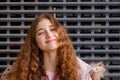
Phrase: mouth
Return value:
(51, 40)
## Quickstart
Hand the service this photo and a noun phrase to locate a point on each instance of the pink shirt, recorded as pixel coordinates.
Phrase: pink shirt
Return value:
(50, 75)
(86, 71)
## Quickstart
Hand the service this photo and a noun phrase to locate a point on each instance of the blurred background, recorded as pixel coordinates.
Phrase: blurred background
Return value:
(93, 26)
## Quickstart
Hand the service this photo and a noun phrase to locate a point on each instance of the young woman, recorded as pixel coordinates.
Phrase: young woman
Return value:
(48, 54)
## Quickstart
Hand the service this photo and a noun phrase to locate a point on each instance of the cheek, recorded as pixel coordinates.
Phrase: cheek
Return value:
(56, 35)
(39, 40)
(40, 43)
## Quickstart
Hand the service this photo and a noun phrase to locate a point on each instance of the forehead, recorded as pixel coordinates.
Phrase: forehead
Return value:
(44, 23)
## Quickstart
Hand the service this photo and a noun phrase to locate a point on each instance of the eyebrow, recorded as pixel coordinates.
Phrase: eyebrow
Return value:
(39, 29)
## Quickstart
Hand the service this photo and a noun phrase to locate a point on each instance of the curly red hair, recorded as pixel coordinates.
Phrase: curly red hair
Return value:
(29, 63)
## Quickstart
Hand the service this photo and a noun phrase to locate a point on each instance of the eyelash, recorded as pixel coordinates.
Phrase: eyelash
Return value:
(52, 29)
(40, 33)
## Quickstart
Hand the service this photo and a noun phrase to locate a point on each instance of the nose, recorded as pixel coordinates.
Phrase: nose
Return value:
(49, 34)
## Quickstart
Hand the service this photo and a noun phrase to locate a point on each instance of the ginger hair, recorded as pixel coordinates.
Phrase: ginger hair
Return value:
(29, 63)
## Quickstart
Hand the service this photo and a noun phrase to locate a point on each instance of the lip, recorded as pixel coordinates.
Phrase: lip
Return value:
(48, 41)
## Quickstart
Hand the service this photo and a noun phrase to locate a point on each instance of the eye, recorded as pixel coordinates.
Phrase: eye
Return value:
(41, 33)
(53, 29)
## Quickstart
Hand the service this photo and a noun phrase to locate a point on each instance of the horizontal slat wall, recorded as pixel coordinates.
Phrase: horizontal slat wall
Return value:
(93, 26)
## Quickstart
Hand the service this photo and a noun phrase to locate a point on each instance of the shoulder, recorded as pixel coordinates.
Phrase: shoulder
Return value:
(84, 66)
(86, 70)
(94, 70)
(6, 71)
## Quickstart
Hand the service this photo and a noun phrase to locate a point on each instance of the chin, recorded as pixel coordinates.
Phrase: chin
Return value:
(52, 48)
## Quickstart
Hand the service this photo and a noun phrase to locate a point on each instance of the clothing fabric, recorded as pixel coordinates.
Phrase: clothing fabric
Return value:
(86, 71)
(50, 75)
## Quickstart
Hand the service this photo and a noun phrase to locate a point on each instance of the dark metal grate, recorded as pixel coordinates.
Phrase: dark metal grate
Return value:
(93, 26)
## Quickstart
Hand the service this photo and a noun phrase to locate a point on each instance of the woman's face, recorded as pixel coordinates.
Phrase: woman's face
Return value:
(46, 36)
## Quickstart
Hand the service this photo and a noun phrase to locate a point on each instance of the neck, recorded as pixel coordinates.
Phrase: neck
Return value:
(50, 60)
